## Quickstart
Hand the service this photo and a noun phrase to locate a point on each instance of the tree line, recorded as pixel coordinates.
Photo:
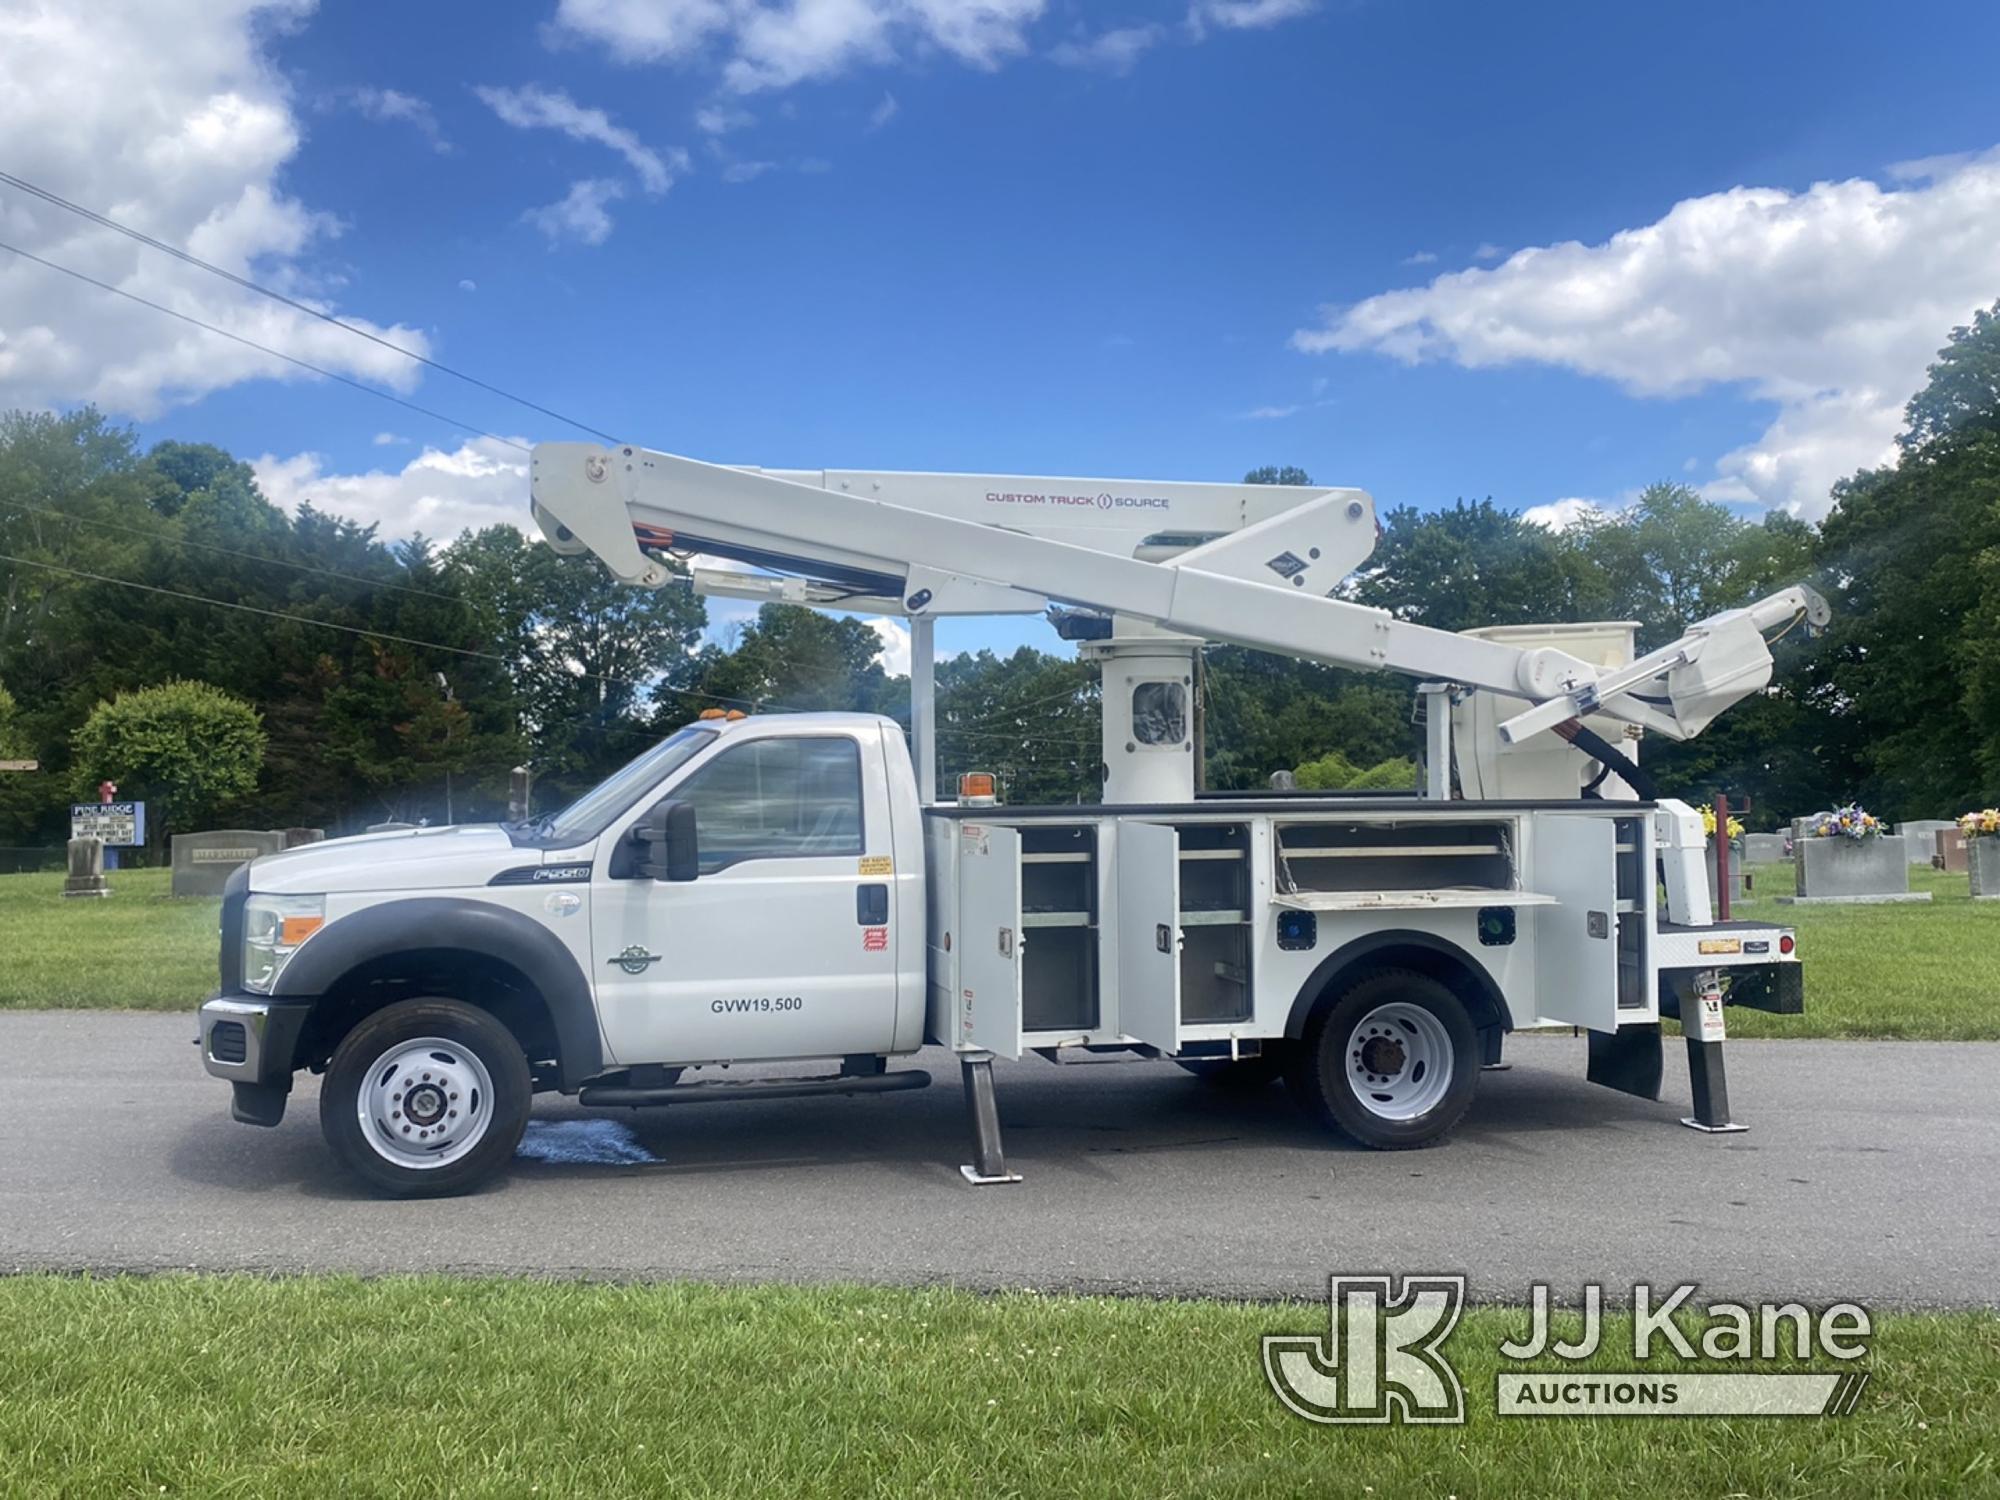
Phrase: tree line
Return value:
(402, 679)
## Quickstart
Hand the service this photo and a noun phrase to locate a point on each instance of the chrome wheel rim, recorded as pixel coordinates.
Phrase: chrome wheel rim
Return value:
(425, 1103)
(1399, 1061)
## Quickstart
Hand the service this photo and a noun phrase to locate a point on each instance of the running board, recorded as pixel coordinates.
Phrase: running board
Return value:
(724, 1090)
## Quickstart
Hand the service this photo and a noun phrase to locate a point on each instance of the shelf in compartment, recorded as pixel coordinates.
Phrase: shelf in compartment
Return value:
(1406, 900)
(1055, 919)
(1388, 851)
(1055, 859)
(1215, 854)
(1213, 919)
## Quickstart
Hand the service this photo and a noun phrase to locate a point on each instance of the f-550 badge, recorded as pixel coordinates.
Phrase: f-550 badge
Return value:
(636, 960)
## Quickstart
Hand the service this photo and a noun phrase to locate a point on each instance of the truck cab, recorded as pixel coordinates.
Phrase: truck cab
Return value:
(750, 889)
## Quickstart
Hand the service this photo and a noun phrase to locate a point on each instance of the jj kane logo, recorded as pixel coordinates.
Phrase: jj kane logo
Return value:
(1383, 1359)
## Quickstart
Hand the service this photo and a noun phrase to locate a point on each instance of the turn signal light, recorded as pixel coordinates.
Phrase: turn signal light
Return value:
(978, 789)
(295, 930)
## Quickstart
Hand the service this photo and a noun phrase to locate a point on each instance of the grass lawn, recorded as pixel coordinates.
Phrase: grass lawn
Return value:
(140, 950)
(1910, 971)
(240, 1386)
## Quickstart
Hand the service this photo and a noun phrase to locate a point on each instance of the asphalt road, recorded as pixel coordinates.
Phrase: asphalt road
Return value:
(1871, 1172)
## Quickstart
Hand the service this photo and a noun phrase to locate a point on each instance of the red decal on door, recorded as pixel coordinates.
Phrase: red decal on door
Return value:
(874, 939)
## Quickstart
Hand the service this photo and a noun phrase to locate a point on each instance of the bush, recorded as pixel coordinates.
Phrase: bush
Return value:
(187, 749)
(1336, 773)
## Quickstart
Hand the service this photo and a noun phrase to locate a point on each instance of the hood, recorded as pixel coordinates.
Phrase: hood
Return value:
(403, 859)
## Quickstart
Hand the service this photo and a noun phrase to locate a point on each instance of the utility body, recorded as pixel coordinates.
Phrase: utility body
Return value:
(788, 888)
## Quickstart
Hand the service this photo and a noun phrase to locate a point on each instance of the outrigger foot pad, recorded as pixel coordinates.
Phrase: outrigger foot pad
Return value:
(989, 1164)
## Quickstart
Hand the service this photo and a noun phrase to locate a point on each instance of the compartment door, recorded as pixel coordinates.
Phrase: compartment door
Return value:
(1576, 940)
(1149, 934)
(989, 957)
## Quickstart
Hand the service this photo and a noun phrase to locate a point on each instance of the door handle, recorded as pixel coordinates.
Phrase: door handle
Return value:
(871, 905)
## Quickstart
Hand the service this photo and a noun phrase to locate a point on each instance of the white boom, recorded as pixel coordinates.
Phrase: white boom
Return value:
(1255, 565)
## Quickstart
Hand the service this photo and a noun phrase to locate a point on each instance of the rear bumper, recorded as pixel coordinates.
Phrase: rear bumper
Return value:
(251, 1041)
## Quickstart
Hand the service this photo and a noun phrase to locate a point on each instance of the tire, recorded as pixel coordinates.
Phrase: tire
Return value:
(1391, 1062)
(459, 1124)
(1245, 1073)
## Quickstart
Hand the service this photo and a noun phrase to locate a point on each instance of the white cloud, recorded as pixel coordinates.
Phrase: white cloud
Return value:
(1117, 51)
(167, 115)
(1267, 413)
(720, 119)
(580, 213)
(1421, 258)
(468, 285)
(480, 483)
(1245, 15)
(534, 108)
(1487, 250)
(389, 439)
(1560, 515)
(390, 106)
(773, 46)
(1829, 303)
(895, 636)
(747, 171)
(883, 112)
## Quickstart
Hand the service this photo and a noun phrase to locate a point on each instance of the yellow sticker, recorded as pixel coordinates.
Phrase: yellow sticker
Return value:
(1721, 945)
(877, 864)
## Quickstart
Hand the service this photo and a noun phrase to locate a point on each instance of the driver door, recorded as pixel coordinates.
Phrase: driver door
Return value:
(781, 947)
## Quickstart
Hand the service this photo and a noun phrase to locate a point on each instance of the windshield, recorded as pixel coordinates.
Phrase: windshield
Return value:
(588, 816)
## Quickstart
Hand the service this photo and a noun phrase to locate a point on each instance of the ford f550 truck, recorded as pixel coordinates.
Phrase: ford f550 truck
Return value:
(786, 888)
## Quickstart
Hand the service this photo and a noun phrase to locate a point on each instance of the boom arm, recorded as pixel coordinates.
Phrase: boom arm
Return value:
(1267, 584)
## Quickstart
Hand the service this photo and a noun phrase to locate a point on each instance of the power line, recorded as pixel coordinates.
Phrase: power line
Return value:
(424, 411)
(154, 534)
(23, 185)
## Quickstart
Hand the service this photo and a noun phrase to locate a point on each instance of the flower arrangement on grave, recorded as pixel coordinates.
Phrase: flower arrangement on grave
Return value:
(1708, 824)
(1849, 822)
(1980, 825)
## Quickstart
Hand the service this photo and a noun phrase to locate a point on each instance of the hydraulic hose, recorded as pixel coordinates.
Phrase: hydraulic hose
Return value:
(1601, 750)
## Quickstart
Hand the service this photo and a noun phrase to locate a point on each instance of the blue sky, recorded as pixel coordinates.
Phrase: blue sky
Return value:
(1043, 238)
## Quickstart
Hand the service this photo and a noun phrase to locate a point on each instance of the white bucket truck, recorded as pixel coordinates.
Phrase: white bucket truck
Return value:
(786, 888)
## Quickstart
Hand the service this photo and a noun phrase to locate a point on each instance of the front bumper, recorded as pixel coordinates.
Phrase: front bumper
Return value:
(251, 1041)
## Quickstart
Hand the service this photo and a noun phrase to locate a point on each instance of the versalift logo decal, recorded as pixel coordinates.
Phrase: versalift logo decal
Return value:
(1384, 1358)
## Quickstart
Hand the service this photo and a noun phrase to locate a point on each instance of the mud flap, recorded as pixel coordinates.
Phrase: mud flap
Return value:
(1630, 1060)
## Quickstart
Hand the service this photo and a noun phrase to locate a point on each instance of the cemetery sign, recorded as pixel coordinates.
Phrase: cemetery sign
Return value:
(117, 825)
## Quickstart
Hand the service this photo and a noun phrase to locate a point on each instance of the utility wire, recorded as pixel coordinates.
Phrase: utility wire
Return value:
(156, 535)
(23, 185)
(424, 411)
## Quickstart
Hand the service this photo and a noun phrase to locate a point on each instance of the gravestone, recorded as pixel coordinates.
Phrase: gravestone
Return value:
(1738, 880)
(203, 861)
(1921, 835)
(1853, 871)
(1982, 863)
(86, 870)
(296, 836)
(1765, 848)
(1950, 856)
(1284, 781)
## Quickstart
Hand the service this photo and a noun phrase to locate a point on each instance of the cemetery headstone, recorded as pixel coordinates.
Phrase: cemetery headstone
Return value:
(86, 870)
(1765, 848)
(1951, 856)
(203, 861)
(1982, 863)
(1921, 834)
(1853, 870)
(1737, 876)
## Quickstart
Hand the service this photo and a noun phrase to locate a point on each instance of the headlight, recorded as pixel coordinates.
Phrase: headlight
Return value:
(274, 928)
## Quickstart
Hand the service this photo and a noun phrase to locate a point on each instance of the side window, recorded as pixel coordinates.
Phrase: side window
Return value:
(1159, 713)
(777, 799)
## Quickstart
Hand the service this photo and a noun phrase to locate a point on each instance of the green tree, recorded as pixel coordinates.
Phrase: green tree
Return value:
(1962, 390)
(1278, 474)
(790, 658)
(1031, 718)
(187, 749)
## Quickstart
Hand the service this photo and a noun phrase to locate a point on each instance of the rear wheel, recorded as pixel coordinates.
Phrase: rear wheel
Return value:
(1253, 1072)
(1391, 1062)
(426, 1098)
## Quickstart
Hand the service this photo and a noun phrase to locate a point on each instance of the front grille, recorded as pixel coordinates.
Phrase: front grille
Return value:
(228, 1042)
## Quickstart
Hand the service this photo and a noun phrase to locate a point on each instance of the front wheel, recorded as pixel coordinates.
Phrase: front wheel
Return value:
(426, 1098)
(1392, 1062)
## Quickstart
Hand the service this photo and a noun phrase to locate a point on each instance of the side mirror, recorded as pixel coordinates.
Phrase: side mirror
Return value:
(668, 846)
